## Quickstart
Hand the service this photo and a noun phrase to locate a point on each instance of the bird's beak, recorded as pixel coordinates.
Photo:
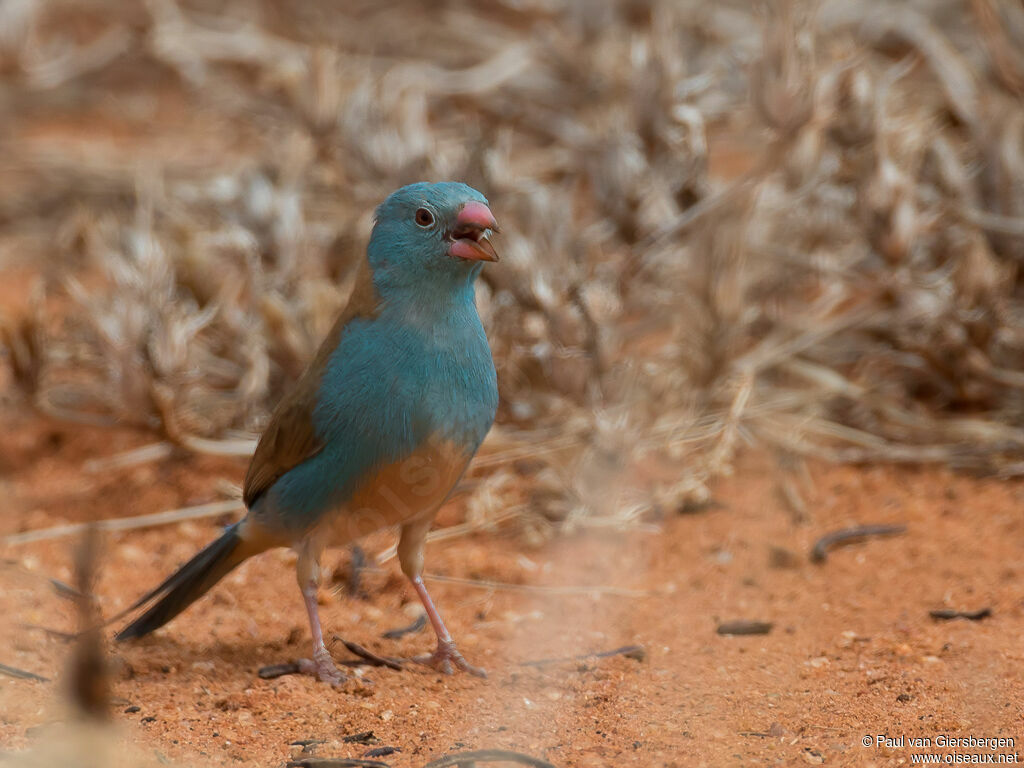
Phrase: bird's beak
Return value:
(469, 238)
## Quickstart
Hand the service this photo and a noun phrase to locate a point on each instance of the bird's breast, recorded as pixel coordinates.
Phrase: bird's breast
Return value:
(398, 492)
(445, 377)
(393, 391)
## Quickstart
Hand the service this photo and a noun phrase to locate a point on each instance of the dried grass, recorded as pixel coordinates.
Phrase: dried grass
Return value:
(793, 223)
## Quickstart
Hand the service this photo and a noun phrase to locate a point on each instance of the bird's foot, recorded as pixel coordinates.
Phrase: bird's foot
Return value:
(323, 668)
(445, 656)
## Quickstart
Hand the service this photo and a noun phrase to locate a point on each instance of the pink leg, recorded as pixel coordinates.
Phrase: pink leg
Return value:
(446, 654)
(321, 666)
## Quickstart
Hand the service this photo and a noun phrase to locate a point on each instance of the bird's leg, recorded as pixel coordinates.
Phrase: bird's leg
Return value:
(446, 654)
(321, 666)
(410, 554)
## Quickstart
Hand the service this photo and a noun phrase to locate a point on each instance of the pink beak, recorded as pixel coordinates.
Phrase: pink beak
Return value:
(468, 237)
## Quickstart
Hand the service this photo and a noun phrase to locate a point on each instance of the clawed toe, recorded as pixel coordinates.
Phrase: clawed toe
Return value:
(323, 668)
(444, 657)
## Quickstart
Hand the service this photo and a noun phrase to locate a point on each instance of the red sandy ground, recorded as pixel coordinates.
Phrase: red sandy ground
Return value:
(853, 651)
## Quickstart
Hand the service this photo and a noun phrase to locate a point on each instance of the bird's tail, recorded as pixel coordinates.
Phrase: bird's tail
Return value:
(189, 583)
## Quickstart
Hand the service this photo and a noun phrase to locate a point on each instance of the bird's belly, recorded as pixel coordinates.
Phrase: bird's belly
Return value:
(397, 493)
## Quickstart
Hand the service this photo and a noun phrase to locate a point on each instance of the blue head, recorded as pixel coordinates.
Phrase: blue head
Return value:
(429, 240)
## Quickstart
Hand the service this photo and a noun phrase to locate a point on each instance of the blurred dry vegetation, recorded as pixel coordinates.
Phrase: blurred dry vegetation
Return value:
(798, 224)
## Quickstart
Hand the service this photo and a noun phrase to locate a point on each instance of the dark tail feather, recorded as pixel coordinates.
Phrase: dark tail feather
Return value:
(187, 584)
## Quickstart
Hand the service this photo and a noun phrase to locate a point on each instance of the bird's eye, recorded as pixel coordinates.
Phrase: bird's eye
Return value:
(424, 217)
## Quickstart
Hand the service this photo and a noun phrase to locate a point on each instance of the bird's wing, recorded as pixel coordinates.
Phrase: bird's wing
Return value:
(290, 438)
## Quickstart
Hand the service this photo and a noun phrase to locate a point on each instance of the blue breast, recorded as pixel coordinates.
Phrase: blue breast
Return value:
(393, 382)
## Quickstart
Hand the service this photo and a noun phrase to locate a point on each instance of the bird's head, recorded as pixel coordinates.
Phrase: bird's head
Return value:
(431, 236)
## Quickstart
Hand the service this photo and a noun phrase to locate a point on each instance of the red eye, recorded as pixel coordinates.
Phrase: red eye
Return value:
(424, 217)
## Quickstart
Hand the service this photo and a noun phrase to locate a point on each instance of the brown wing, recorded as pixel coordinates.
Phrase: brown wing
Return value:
(290, 439)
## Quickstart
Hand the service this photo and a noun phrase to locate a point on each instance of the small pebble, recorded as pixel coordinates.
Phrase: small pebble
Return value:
(780, 557)
(363, 737)
(381, 751)
(745, 627)
(413, 610)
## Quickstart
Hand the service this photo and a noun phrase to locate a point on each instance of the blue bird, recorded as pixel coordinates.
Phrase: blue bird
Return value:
(381, 425)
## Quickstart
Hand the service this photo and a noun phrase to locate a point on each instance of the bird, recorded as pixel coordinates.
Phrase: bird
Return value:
(381, 425)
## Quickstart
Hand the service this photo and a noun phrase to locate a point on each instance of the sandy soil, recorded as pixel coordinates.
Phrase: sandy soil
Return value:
(852, 652)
